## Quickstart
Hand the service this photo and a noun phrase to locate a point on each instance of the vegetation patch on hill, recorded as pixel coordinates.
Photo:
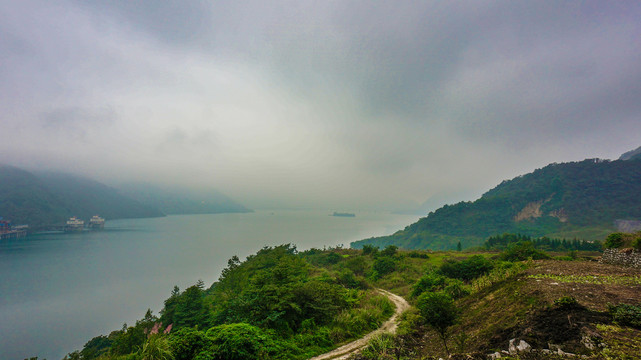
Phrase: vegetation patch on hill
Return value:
(569, 200)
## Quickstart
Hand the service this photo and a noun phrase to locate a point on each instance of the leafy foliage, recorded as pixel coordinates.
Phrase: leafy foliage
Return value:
(438, 311)
(277, 304)
(468, 269)
(522, 251)
(625, 314)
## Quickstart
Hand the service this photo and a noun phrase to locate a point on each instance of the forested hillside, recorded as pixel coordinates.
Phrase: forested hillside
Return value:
(577, 199)
(42, 200)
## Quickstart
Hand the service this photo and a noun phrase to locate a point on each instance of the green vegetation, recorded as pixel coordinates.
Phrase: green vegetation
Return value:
(285, 304)
(439, 312)
(558, 200)
(277, 304)
(626, 315)
(623, 240)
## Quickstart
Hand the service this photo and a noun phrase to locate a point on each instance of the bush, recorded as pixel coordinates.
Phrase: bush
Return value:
(429, 282)
(627, 315)
(613, 241)
(237, 342)
(636, 244)
(522, 251)
(566, 302)
(390, 250)
(186, 343)
(439, 312)
(455, 288)
(370, 250)
(468, 269)
(418, 254)
(384, 265)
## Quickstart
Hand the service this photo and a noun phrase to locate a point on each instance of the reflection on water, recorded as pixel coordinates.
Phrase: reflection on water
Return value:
(59, 290)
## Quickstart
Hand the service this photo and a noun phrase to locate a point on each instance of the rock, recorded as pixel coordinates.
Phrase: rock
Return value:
(516, 346)
(496, 355)
(523, 346)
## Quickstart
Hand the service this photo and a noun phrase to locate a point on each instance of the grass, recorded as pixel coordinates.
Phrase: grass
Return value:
(591, 279)
(620, 343)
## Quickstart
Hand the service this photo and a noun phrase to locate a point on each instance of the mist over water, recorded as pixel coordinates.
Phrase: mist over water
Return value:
(57, 291)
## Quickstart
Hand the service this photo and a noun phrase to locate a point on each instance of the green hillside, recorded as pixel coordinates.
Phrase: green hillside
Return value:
(24, 199)
(178, 200)
(577, 199)
(43, 200)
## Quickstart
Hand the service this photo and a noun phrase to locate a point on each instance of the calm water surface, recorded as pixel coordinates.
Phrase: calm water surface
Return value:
(59, 290)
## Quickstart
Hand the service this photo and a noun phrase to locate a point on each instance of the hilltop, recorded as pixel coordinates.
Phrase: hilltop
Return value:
(578, 199)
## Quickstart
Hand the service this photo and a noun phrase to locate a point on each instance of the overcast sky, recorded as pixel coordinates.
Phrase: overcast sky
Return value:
(326, 104)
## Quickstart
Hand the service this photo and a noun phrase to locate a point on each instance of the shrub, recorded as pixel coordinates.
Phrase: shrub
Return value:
(418, 254)
(186, 343)
(522, 251)
(613, 241)
(566, 302)
(636, 244)
(439, 312)
(370, 250)
(455, 288)
(390, 250)
(384, 265)
(380, 347)
(627, 315)
(468, 269)
(237, 342)
(429, 282)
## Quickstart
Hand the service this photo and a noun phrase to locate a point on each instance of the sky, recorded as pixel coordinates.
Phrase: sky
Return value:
(319, 104)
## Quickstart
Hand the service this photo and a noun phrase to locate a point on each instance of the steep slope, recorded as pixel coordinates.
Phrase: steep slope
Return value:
(176, 200)
(571, 199)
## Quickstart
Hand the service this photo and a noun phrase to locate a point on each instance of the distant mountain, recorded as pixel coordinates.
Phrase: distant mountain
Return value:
(45, 199)
(180, 200)
(86, 197)
(632, 155)
(578, 199)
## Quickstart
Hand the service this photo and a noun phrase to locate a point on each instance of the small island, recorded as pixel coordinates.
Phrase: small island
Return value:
(343, 214)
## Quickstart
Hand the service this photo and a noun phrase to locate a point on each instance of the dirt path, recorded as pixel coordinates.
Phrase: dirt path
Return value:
(390, 325)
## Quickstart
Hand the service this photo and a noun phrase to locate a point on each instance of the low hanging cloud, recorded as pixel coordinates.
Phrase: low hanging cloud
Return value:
(332, 104)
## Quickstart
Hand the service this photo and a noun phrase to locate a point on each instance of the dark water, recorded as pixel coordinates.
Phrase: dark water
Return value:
(59, 290)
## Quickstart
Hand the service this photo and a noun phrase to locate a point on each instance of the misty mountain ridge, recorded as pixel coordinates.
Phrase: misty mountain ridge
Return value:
(632, 154)
(45, 199)
(173, 200)
(585, 199)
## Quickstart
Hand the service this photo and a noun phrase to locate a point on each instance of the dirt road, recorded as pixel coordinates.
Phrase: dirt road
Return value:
(390, 325)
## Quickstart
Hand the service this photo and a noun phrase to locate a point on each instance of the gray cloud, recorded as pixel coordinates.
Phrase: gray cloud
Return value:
(301, 103)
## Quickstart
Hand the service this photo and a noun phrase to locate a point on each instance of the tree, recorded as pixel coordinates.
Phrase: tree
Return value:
(439, 312)
(459, 247)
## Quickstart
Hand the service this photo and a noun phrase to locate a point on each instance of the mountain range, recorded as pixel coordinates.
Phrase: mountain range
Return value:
(586, 200)
(46, 199)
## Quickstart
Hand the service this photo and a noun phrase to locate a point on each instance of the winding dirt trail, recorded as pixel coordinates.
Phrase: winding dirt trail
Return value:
(390, 325)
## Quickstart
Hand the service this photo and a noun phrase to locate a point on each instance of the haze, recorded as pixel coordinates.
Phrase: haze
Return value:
(338, 104)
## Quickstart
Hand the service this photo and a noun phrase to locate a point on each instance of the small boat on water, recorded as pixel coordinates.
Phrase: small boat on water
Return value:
(74, 224)
(343, 214)
(96, 223)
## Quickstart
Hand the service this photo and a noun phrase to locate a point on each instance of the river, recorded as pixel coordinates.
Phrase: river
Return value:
(59, 290)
